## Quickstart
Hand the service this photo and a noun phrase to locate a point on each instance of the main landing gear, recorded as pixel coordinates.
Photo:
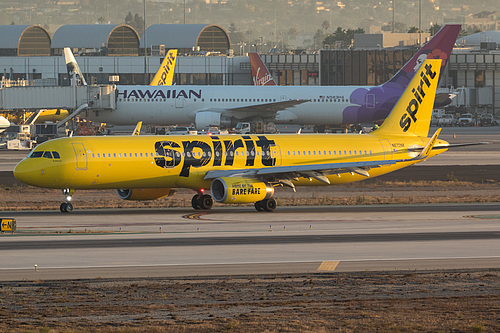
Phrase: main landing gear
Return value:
(202, 202)
(67, 207)
(266, 205)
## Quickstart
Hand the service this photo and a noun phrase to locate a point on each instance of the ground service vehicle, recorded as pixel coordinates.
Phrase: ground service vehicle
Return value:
(446, 120)
(466, 119)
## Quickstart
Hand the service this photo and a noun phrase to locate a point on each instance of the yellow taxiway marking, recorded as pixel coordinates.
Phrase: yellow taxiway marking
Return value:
(194, 216)
(328, 266)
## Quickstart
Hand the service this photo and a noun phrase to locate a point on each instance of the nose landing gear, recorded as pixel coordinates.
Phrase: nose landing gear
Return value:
(67, 207)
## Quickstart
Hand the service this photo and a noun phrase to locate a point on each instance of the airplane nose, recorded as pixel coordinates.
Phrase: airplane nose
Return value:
(22, 173)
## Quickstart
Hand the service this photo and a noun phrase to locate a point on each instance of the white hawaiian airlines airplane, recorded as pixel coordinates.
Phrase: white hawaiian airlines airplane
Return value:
(312, 105)
(239, 168)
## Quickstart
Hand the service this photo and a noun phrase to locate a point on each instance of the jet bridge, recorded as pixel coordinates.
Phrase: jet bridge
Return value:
(74, 98)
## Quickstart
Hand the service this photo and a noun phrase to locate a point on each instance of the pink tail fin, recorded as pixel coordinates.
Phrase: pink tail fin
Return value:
(260, 73)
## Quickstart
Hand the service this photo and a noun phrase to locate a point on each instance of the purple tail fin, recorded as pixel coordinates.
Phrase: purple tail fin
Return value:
(439, 47)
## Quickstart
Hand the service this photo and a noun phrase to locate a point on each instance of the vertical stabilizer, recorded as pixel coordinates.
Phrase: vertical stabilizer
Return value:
(74, 72)
(412, 113)
(260, 74)
(165, 75)
(439, 47)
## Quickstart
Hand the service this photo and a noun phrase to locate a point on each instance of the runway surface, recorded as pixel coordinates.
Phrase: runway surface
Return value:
(181, 242)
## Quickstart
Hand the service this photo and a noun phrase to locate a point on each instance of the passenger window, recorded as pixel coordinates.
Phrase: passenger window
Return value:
(36, 154)
(93, 155)
(140, 154)
(56, 154)
(47, 154)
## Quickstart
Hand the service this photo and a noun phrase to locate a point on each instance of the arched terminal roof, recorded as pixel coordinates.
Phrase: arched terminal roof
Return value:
(477, 38)
(209, 37)
(24, 40)
(113, 40)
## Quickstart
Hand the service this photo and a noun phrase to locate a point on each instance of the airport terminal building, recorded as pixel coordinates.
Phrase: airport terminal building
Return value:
(114, 54)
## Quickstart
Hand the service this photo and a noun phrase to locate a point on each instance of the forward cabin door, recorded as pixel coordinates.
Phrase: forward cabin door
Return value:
(81, 156)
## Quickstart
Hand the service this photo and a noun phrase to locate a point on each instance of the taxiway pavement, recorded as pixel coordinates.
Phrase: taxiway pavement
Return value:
(181, 242)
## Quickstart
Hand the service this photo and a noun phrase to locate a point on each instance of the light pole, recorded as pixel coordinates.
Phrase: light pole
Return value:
(146, 74)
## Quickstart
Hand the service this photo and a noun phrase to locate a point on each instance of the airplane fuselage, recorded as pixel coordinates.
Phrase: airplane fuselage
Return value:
(183, 161)
(180, 104)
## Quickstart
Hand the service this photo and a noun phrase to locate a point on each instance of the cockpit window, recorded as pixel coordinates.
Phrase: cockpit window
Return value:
(47, 154)
(56, 154)
(36, 154)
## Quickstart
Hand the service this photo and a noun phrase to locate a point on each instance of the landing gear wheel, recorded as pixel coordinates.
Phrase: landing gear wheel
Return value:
(195, 202)
(258, 206)
(205, 202)
(268, 205)
(66, 207)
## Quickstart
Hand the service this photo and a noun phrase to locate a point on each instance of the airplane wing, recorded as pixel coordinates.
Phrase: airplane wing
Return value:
(285, 174)
(267, 110)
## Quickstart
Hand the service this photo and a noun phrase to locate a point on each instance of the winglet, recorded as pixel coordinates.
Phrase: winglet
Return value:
(428, 147)
(165, 75)
(137, 129)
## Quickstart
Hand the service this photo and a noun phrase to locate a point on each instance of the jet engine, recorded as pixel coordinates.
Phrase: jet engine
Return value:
(208, 118)
(145, 194)
(240, 190)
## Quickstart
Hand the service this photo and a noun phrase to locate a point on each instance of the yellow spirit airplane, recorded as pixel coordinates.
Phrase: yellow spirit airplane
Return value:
(239, 168)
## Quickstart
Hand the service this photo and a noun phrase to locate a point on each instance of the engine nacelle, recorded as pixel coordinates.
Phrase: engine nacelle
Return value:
(207, 118)
(240, 190)
(145, 194)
